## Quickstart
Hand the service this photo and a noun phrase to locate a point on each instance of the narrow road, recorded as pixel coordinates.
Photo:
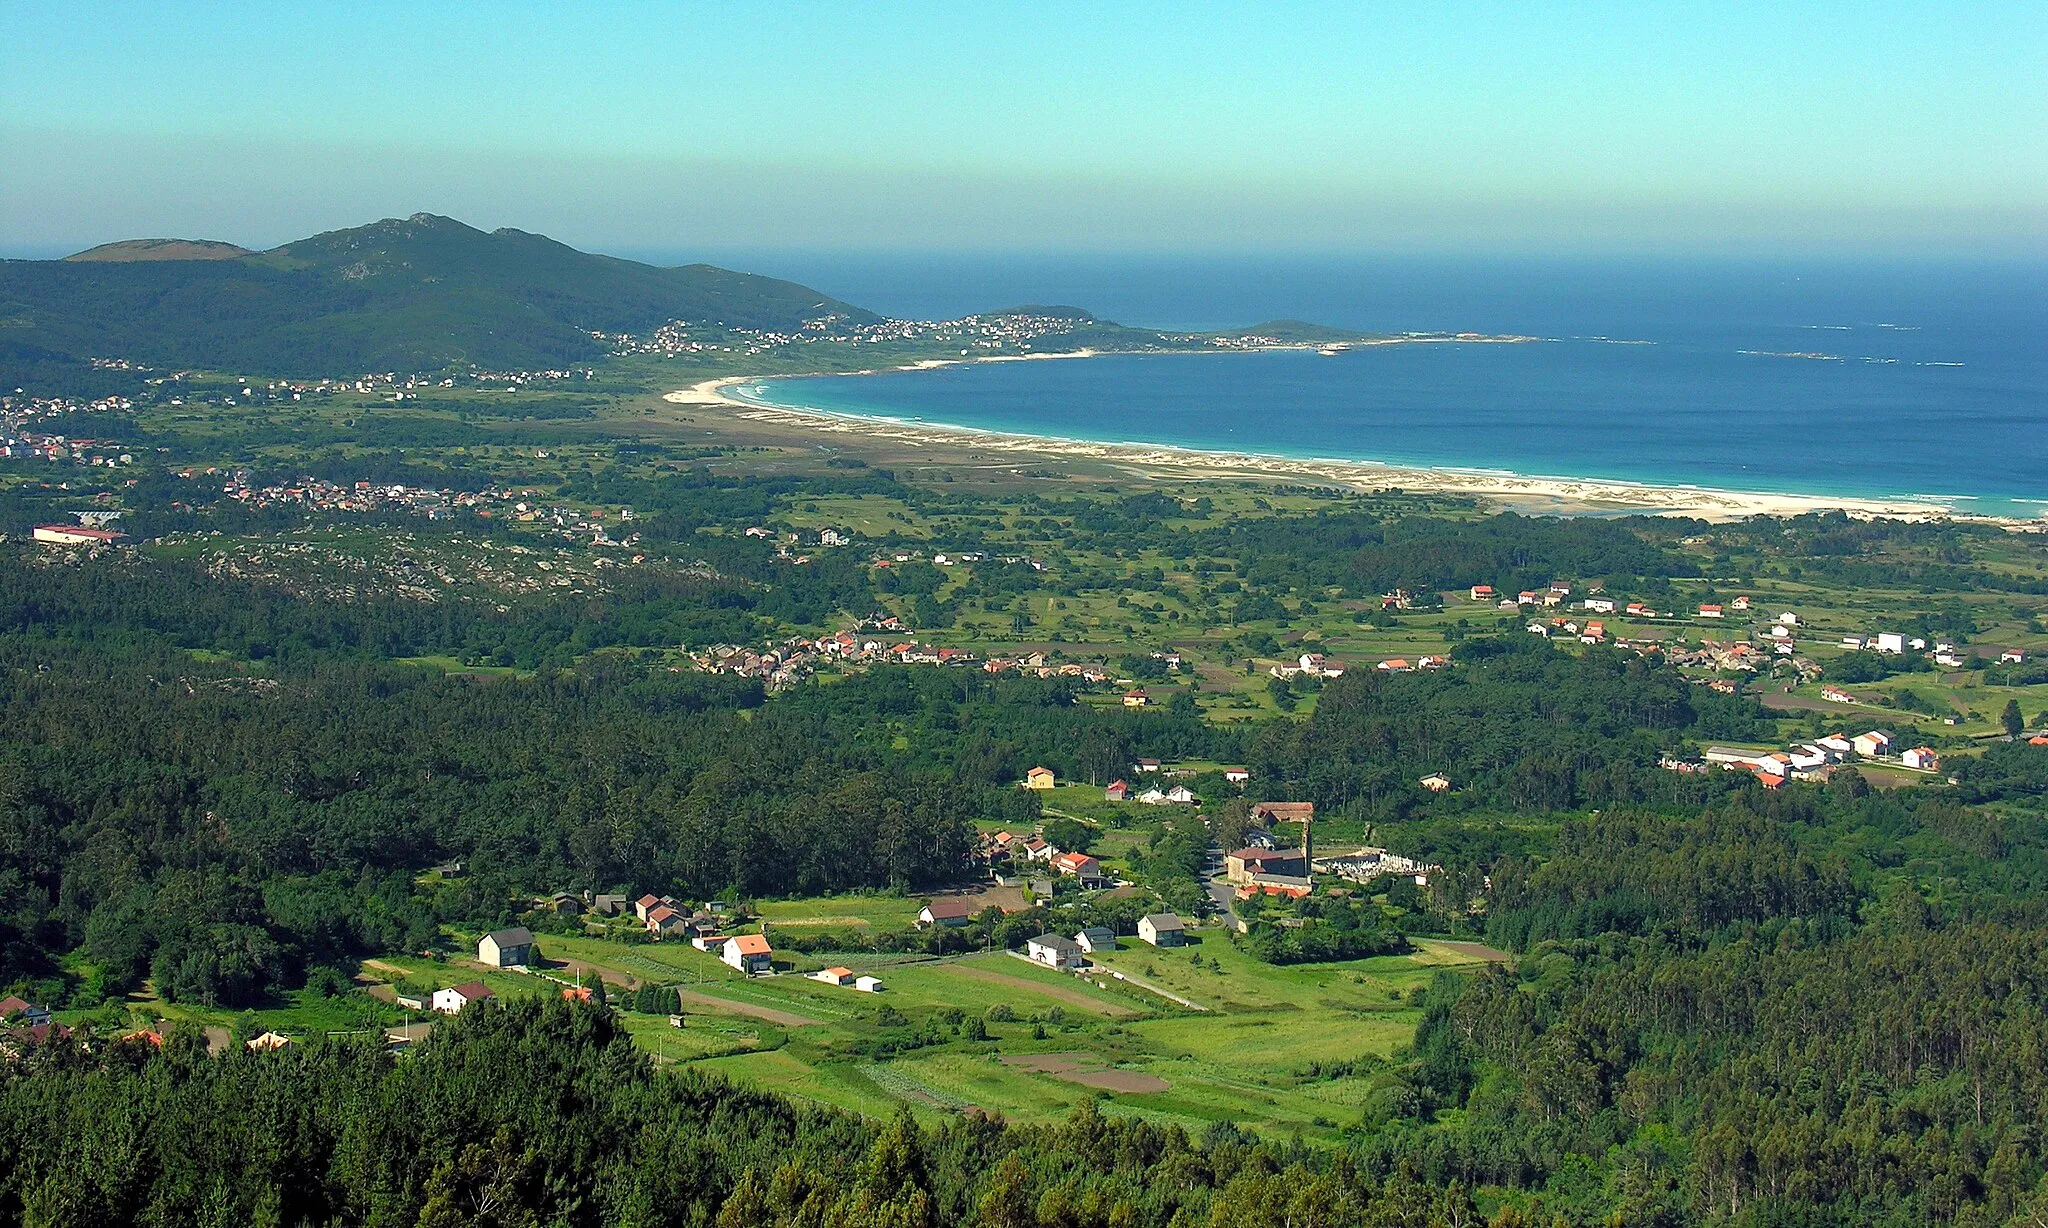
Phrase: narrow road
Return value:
(1218, 887)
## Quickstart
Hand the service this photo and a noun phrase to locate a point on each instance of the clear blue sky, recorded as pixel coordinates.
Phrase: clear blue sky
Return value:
(1524, 127)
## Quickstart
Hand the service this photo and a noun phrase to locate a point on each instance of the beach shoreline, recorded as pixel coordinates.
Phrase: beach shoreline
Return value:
(1532, 493)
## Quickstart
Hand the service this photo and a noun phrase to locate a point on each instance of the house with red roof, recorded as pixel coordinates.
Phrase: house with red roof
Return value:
(749, 953)
(950, 911)
(1081, 867)
(18, 1012)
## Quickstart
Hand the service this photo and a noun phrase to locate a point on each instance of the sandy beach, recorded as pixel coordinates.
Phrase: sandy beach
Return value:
(1534, 494)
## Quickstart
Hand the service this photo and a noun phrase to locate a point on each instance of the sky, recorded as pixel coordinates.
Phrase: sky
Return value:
(1475, 127)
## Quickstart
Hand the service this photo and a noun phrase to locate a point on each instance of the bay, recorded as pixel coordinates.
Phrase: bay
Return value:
(1868, 380)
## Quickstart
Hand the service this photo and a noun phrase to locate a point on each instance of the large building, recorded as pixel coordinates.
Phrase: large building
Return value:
(75, 535)
(506, 948)
(1242, 865)
(1304, 813)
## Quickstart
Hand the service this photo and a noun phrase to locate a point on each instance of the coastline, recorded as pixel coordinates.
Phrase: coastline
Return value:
(1520, 492)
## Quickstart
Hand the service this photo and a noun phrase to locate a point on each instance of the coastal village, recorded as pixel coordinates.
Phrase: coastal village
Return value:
(977, 333)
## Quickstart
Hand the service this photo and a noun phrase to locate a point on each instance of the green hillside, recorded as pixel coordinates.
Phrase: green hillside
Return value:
(131, 250)
(413, 294)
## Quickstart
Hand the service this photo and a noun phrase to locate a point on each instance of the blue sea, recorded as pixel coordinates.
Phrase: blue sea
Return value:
(1907, 379)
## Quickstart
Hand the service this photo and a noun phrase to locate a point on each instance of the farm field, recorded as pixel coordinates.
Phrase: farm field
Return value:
(1053, 1039)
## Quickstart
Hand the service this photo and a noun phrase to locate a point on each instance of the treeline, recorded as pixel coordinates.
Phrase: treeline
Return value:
(546, 1114)
(1326, 930)
(1825, 856)
(2014, 770)
(1822, 1006)
(983, 729)
(1371, 544)
(136, 598)
(1513, 553)
(1633, 871)
(1893, 1078)
(1518, 725)
(672, 506)
(164, 813)
(155, 808)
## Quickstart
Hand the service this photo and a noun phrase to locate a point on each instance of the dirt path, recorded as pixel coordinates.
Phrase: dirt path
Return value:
(768, 1014)
(381, 966)
(1072, 996)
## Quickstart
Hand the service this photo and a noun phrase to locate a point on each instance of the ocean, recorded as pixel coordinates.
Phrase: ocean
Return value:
(1902, 380)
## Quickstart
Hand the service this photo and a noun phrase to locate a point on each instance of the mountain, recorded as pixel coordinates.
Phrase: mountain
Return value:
(128, 250)
(409, 294)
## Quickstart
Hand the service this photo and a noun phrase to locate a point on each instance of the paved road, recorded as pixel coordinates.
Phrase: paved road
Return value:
(1219, 888)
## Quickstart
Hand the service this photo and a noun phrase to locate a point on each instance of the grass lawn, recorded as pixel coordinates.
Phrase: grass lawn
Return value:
(977, 983)
(663, 962)
(434, 974)
(841, 1085)
(875, 912)
(450, 665)
(1230, 980)
(702, 1036)
(301, 1014)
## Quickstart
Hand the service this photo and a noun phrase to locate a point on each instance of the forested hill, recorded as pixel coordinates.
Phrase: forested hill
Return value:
(409, 294)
